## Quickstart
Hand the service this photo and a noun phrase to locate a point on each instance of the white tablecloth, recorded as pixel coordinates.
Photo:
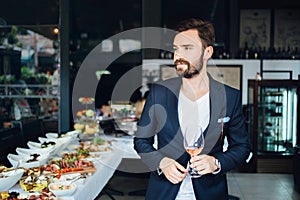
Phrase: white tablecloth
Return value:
(105, 165)
(94, 184)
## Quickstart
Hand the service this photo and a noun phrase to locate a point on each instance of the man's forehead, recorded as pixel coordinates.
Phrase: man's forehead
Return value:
(187, 37)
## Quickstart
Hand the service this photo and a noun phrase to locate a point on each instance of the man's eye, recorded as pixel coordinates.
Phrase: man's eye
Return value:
(187, 48)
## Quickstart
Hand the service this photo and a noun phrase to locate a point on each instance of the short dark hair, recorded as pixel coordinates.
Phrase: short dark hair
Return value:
(206, 30)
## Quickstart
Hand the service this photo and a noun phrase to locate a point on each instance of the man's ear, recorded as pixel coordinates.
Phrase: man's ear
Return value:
(208, 52)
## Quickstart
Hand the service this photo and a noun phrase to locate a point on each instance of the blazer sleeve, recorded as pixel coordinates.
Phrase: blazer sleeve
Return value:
(147, 128)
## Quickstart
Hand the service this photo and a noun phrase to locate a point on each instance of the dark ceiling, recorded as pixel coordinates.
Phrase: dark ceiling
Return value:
(101, 18)
(40, 16)
(86, 16)
(30, 12)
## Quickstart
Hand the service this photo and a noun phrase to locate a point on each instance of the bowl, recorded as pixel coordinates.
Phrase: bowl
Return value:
(63, 139)
(25, 160)
(59, 145)
(9, 178)
(74, 133)
(26, 152)
(49, 140)
(70, 134)
(35, 145)
(63, 188)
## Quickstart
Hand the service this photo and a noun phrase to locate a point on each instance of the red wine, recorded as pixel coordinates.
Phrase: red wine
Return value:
(193, 151)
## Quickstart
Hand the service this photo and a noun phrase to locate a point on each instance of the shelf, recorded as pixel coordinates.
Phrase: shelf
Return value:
(266, 116)
(270, 105)
(269, 154)
(274, 94)
(273, 148)
(271, 128)
(29, 91)
(273, 117)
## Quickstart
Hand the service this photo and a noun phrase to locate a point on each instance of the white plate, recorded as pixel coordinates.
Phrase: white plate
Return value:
(71, 177)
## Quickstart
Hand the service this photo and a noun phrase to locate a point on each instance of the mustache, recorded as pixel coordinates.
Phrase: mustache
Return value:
(182, 61)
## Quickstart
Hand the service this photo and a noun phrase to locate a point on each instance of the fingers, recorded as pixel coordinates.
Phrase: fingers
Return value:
(181, 168)
(174, 172)
(175, 176)
(204, 164)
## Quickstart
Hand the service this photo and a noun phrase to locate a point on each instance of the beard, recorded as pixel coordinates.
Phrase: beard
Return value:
(186, 70)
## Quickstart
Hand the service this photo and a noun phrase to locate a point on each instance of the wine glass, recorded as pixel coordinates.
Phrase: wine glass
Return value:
(193, 142)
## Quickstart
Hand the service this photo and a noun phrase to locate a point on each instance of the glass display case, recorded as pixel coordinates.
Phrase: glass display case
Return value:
(274, 114)
(273, 117)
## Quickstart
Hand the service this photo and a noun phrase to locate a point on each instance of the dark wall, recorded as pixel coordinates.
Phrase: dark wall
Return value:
(131, 68)
(277, 4)
(214, 11)
(102, 19)
(30, 12)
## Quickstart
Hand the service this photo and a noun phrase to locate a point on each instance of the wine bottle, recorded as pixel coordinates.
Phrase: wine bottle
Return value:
(246, 51)
(255, 53)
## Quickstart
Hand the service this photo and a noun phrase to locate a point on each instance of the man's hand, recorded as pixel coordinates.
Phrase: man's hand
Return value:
(204, 164)
(172, 170)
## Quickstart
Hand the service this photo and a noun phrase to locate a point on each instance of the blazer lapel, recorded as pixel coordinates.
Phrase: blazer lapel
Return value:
(176, 139)
(172, 102)
(217, 110)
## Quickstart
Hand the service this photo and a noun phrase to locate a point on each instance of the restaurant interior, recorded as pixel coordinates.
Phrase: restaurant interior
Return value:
(77, 72)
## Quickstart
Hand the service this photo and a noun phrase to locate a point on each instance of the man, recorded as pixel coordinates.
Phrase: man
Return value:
(194, 98)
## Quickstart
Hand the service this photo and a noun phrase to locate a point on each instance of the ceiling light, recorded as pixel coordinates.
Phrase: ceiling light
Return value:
(56, 31)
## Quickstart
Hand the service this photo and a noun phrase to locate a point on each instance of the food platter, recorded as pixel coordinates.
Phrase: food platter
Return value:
(68, 163)
(76, 170)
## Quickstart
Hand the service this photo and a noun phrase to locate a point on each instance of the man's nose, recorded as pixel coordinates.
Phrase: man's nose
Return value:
(177, 55)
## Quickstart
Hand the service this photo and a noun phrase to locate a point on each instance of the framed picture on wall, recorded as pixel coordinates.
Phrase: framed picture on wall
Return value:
(227, 74)
(287, 29)
(255, 27)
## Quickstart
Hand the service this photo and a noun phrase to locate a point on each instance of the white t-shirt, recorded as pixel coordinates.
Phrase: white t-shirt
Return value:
(188, 117)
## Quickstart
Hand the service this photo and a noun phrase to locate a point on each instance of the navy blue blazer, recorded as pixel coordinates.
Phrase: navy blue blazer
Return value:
(160, 117)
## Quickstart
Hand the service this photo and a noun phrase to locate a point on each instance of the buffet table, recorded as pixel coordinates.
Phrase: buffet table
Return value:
(105, 166)
(94, 184)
